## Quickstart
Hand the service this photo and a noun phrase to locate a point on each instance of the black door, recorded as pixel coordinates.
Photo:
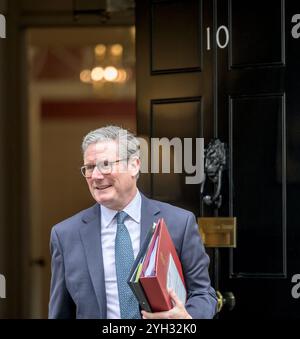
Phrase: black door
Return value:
(254, 119)
(174, 86)
(229, 70)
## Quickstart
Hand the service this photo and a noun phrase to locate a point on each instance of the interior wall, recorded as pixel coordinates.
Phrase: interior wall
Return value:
(62, 109)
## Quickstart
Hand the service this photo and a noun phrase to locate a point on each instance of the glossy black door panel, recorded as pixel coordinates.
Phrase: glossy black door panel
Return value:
(246, 94)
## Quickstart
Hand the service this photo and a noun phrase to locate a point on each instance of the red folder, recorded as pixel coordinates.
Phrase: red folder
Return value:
(166, 267)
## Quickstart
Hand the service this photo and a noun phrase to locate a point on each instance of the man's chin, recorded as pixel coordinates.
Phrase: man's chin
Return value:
(103, 197)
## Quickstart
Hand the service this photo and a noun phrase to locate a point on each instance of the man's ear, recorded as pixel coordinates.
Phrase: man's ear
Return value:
(134, 165)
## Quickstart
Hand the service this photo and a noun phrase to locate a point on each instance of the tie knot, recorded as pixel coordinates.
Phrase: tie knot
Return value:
(121, 216)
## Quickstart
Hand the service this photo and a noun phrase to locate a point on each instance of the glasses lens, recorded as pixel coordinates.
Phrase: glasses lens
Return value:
(87, 170)
(104, 167)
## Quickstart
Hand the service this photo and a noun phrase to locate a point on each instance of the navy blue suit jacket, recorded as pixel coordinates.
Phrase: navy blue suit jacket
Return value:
(77, 283)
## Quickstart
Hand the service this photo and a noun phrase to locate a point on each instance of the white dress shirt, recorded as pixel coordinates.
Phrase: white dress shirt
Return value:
(108, 235)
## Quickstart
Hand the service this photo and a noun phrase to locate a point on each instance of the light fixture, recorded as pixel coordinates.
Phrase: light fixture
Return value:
(97, 73)
(110, 73)
(85, 76)
(116, 50)
(100, 50)
(108, 66)
(122, 75)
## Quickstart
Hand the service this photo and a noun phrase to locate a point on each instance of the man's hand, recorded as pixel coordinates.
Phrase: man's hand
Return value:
(177, 312)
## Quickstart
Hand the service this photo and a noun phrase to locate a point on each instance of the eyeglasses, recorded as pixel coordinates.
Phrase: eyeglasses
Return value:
(105, 167)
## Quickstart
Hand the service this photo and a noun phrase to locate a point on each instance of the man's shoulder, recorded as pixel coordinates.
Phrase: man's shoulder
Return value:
(169, 208)
(177, 219)
(76, 220)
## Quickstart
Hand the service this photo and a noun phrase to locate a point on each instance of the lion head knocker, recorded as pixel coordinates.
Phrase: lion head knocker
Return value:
(215, 161)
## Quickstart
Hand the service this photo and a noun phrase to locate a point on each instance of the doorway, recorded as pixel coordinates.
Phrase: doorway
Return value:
(79, 79)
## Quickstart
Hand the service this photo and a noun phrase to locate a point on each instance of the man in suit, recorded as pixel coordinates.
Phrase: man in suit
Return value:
(88, 266)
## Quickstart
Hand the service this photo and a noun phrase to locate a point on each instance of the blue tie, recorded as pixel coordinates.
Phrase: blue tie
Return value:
(124, 257)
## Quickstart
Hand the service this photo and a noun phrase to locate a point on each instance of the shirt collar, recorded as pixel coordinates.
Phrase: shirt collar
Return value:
(133, 209)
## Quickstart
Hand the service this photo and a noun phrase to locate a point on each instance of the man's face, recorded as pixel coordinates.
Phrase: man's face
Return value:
(116, 189)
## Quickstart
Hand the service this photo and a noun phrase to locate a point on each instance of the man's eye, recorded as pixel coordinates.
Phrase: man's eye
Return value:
(90, 167)
(105, 163)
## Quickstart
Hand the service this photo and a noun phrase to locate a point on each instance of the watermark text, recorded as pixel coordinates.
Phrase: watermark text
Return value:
(2, 26)
(163, 155)
(296, 287)
(2, 287)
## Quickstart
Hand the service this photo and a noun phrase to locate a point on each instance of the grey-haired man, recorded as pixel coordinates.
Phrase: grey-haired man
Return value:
(87, 263)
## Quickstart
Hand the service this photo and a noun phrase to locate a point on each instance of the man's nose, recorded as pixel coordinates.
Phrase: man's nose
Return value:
(97, 174)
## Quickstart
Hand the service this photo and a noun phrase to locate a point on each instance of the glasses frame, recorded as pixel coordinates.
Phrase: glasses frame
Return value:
(108, 171)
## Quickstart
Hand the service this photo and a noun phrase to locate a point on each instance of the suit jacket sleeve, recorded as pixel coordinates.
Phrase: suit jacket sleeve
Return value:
(201, 299)
(61, 304)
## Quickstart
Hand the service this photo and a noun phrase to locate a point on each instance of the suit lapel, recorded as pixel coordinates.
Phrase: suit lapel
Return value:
(91, 238)
(149, 214)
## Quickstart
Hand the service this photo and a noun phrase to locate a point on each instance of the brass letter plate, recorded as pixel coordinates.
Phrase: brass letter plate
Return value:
(218, 232)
